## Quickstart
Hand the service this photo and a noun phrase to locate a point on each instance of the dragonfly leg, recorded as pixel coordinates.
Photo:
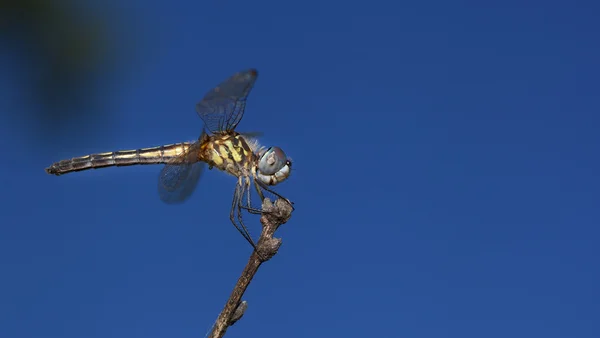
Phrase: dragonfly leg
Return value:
(264, 186)
(247, 234)
(249, 193)
(235, 207)
(260, 193)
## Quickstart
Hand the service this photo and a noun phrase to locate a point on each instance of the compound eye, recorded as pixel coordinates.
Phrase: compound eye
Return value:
(272, 161)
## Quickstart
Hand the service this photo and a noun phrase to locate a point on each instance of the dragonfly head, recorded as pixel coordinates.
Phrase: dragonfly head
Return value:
(273, 166)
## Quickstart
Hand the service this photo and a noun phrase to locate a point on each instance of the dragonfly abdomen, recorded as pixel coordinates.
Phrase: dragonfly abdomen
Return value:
(154, 155)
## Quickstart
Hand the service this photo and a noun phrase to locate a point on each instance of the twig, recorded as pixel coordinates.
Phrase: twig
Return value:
(272, 217)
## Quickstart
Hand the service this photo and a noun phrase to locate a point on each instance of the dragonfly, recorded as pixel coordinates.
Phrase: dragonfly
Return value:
(219, 146)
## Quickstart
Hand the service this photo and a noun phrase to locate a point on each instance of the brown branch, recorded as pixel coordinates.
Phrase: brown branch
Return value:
(272, 217)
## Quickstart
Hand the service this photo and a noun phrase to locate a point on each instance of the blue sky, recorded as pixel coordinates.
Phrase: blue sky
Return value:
(446, 175)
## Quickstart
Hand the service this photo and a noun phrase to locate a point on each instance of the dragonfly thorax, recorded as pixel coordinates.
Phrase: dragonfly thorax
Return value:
(230, 153)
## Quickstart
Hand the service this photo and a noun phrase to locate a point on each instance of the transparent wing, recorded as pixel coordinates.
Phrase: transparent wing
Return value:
(179, 178)
(252, 134)
(222, 108)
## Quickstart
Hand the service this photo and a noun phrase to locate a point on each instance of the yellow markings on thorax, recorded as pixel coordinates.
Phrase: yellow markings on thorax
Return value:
(233, 152)
(230, 151)
(216, 157)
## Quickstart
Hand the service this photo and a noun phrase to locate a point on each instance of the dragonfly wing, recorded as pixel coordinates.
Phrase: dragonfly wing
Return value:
(222, 107)
(252, 134)
(179, 178)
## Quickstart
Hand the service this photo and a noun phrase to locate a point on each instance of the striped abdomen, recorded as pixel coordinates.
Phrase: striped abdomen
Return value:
(153, 155)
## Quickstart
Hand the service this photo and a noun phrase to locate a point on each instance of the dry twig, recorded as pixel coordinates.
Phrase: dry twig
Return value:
(272, 217)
